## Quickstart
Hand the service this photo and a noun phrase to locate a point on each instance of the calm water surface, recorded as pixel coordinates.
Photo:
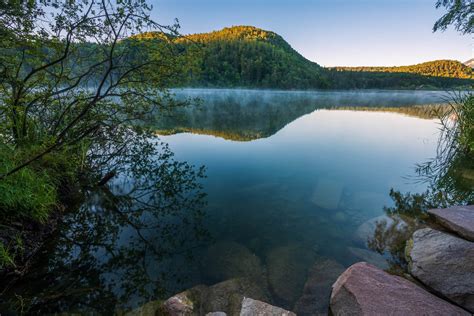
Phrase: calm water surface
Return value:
(290, 179)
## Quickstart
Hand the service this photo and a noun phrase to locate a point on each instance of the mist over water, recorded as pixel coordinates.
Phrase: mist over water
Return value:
(290, 181)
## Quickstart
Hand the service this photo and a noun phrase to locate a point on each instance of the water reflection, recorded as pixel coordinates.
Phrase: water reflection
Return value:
(285, 210)
(245, 115)
(128, 242)
(455, 186)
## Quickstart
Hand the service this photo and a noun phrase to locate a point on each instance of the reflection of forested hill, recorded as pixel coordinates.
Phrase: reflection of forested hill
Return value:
(251, 114)
(430, 111)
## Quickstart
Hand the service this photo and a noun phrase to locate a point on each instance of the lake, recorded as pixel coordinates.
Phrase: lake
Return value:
(291, 179)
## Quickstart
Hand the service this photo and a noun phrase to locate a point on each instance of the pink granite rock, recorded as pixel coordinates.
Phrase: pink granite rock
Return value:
(366, 290)
(458, 219)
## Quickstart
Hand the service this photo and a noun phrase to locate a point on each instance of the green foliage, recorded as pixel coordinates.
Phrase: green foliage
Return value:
(6, 259)
(27, 194)
(459, 12)
(465, 118)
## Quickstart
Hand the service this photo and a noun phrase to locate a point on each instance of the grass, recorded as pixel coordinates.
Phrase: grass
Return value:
(28, 194)
(456, 139)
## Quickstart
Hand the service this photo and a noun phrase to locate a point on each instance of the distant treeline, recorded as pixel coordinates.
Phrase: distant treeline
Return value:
(245, 56)
(438, 68)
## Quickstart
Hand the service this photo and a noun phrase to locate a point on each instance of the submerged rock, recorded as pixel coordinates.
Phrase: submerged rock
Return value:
(444, 263)
(458, 219)
(287, 270)
(327, 193)
(366, 290)
(226, 260)
(317, 289)
(225, 297)
(369, 256)
(251, 307)
(367, 229)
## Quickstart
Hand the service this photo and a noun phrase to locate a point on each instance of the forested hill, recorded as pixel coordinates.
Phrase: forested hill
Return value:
(437, 68)
(246, 56)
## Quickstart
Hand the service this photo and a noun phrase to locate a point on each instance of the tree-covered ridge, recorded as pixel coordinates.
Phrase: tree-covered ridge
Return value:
(437, 68)
(246, 56)
(241, 56)
(240, 33)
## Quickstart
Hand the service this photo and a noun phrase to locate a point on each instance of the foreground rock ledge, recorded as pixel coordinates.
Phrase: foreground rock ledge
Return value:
(458, 219)
(366, 290)
(444, 263)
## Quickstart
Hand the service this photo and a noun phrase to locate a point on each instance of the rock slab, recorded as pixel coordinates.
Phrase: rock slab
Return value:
(252, 307)
(458, 219)
(444, 263)
(366, 290)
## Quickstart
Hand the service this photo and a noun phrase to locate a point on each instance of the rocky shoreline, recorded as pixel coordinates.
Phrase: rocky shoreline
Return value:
(441, 267)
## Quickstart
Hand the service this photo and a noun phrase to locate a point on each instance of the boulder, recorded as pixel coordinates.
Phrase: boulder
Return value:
(317, 289)
(287, 268)
(370, 257)
(216, 314)
(227, 260)
(364, 289)
(251, 307)
(444, 263)
(225, 297)
(458, 219)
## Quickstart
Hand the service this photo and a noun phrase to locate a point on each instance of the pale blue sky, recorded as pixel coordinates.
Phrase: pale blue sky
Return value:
(332, 32)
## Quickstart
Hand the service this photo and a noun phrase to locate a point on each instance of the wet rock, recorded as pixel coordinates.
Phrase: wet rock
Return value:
(186, 303)
(366, 290)
(251, 307)
(444, 263)
(317, 289)
(227, 260)
(370, 257)
(458, 219)
(287, 270)
(216, 314)
(327, 193)
(225, 297)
